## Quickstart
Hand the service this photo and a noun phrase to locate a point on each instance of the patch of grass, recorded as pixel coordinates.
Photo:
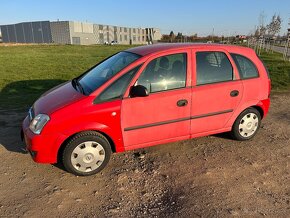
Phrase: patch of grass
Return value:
(279, 70)
(28, 71)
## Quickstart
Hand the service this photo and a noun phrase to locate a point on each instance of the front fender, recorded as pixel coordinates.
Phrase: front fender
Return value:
(99, 127)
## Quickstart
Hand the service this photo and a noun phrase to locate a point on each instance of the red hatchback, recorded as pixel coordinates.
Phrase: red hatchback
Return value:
(146, 96)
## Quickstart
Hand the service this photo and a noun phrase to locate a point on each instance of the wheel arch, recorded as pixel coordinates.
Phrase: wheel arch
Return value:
(63, 144)
(258, 105)
(259, 109)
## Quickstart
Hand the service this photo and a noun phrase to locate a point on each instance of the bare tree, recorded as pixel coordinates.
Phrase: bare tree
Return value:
(274, 28)
(261, 32)
(262, 28)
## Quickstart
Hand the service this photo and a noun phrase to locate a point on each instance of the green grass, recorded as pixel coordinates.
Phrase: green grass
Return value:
(28, 71)
(279, 70)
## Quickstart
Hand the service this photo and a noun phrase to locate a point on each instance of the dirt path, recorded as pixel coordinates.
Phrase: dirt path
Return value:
(205, 177)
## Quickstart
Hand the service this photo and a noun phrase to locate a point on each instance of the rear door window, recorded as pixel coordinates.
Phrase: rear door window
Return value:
(213, 67)
(246, 67)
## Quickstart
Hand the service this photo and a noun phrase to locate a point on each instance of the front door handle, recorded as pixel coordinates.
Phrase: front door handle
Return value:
(182, 103)
(234, 93)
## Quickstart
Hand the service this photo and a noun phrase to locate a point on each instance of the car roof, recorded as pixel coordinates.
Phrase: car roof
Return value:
(150, 49)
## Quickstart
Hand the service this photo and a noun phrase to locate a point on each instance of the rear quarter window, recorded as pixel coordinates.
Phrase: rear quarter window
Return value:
(247, 69)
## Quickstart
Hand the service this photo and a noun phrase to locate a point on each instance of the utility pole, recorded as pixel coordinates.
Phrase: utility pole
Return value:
(286, 49)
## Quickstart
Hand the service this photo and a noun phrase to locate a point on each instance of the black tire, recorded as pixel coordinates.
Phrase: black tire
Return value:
(78, 141)
(237, 132)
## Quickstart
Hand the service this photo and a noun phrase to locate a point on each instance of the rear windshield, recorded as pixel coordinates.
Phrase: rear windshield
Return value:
(101, 73)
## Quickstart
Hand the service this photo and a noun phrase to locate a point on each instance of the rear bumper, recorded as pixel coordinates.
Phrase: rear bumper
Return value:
(44, 147)
(265, 105)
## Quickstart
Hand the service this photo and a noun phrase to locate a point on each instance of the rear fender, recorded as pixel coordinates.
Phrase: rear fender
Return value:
(264, 105)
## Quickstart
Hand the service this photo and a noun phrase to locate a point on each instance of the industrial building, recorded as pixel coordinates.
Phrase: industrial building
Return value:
(76, 33)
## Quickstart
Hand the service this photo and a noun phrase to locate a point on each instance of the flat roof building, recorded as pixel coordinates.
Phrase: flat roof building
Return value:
(77, 33)
(28, 32)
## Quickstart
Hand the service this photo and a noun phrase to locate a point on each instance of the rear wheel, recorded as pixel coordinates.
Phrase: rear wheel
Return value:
(246, 125)
(86, 153)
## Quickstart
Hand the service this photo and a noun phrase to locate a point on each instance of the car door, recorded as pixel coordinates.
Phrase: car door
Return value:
(216, 93)
(163, 115)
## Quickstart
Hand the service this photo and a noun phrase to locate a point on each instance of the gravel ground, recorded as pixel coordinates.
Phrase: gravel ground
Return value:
(206, 177)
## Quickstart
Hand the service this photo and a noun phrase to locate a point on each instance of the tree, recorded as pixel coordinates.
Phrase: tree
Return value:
(179, 37)
(273, 29)
(172, 36)
(165, 38)
(257, 32)
(274, 26)
(262, 30)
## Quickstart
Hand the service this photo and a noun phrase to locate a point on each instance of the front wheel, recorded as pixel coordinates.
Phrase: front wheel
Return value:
(246, 125)
(86, 153)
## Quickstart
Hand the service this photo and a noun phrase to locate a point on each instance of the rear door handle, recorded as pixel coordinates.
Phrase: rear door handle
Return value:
(234, 93)
(182, 103)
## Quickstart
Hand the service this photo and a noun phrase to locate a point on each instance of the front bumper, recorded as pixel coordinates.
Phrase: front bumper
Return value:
(44, 147)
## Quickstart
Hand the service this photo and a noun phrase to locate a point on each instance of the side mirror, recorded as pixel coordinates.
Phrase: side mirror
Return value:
(138, 91)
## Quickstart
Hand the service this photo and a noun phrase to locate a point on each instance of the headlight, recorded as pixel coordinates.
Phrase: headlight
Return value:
(38, 123)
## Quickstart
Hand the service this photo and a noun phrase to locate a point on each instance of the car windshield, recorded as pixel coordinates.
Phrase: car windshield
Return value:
(101, 73)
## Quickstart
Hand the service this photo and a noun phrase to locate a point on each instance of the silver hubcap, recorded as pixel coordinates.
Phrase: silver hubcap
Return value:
(88, 156)
(248, 125)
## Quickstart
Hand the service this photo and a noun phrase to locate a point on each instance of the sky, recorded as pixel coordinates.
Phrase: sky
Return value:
(204, 17)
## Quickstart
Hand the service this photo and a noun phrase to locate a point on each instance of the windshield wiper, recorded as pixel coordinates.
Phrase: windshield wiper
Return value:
(78, 85)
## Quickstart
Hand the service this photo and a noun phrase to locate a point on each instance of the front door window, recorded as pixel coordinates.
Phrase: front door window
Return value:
(164, 73)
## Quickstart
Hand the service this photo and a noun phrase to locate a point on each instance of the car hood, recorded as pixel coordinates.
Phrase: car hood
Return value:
(57, 98)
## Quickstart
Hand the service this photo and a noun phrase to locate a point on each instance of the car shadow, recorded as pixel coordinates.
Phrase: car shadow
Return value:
(224, 135)
(15, 100)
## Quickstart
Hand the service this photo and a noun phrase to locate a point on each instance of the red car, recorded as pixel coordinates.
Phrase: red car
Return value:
(146, 96)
